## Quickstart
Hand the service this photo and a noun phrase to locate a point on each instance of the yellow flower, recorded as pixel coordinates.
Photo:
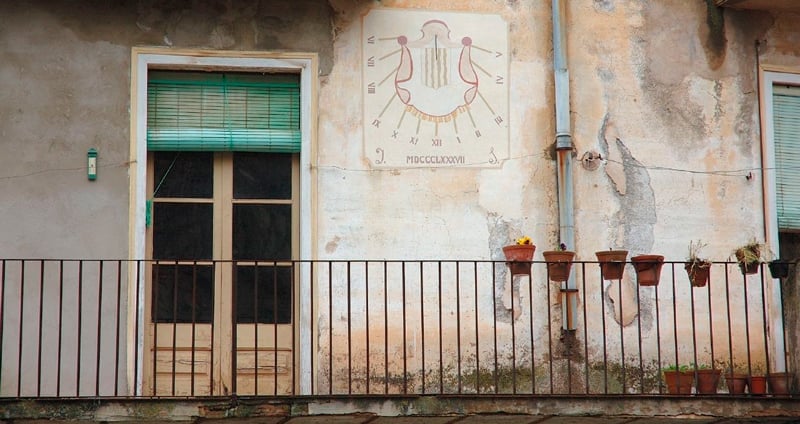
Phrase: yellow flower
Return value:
(524, 240)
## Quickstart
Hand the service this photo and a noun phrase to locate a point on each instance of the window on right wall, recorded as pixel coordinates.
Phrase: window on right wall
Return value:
(786, 145)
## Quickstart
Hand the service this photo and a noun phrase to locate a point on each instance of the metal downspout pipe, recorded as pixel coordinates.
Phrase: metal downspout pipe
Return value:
(564, 149)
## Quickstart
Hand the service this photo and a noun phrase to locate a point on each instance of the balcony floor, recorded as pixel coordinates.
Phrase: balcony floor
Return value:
(414, 409)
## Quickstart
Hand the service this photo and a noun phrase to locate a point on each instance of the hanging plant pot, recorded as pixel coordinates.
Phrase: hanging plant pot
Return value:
(518, 258)
(748, 268)
(612, 263)
(698, 272)
(779, 269)
(749, 258)
(559, 264)
(648, 269)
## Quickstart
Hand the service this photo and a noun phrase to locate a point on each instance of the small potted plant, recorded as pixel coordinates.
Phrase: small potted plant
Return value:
(750, 256)
(559, 263)
(612, 263)
(679, 379)
(648, 269)
(707, 379)
(696, 267)
(780, 383)
(519, 256)
(736, 380)
(757, 383)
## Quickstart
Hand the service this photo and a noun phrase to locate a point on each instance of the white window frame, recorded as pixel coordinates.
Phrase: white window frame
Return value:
(146, 58)
(769, 77)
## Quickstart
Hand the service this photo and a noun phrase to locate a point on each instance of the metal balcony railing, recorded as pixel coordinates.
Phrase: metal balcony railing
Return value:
(119, 328)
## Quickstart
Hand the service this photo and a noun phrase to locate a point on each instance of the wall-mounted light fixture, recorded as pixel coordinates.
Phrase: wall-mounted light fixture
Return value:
(91, 164)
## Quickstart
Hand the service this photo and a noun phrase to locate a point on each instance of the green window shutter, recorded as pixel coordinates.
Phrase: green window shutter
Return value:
(205, 111)
(786, 123)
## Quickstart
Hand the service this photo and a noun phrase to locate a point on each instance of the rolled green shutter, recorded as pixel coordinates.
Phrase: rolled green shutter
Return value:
(208, 111)
(786, 124)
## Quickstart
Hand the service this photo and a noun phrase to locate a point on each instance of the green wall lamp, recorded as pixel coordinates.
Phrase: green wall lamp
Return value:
(91, 164)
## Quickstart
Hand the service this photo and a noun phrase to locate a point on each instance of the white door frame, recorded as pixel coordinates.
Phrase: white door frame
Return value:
(146, 58)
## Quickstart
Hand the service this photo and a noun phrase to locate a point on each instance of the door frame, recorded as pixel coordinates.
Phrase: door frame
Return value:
(146, 58)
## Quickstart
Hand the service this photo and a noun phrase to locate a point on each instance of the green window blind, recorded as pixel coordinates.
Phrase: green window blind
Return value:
(786, 123)
(214, 111)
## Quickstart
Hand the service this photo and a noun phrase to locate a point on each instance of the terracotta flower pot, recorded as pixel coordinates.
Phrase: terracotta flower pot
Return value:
(748, 268)
(780, 383)
(736, 383)
(698, 273)
(648, 269)
(707, 381)
(757, 384)
(612, 263)
(559, 264)
(519, 257)
(679, 382)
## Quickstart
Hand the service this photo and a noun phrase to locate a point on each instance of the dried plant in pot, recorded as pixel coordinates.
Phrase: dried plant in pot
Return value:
(519, 256)
(612, 263)
(707, 379)
(559, 263)
(750, 256)
(697, 268)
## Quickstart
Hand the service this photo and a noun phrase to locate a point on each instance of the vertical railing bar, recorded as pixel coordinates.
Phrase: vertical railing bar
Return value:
(174, 324)
(458, 327)
(366, 319)
(422, 318)
(513, 338)
(441, 335)
(154, 317)
(764, 319)
(694, 333)
(311, 322)
(292, 315)
(117, 329)
(194, 326)
(275, 321)
(21, 326)
(58, 325)
(41, 316)
(658, 340)
(605, 347)
(385, 329)
(622, 330)
(2, 313)
(494, 324)
(255, 330)
(585, 329)
(710, 320)
(80, 326)
(349, 332)
(405, 335)
(549, 332)
(99, 321)
(136, 390)
(234, 265)
(639, 330)
(747, 326)
(532, 336)
(783, 326)
(213, 330)
(477, 331)
(675, 332)
(330, 328)
(728, 307)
